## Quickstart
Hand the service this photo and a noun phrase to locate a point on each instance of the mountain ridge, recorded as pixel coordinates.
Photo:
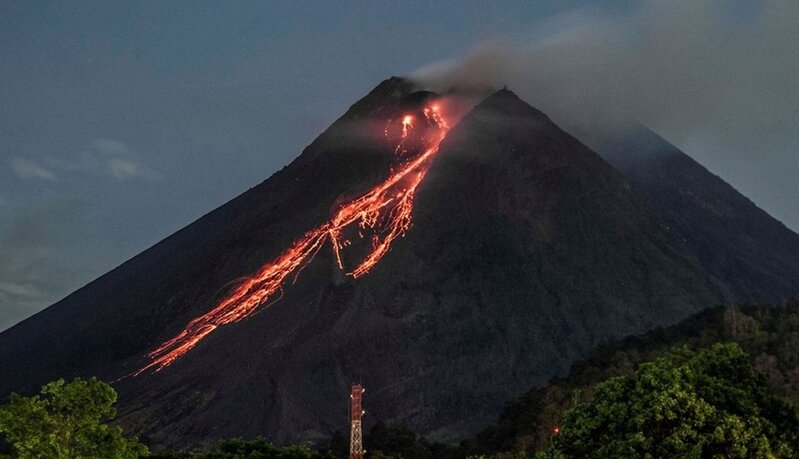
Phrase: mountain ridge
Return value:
(527, 249)
(705, 213)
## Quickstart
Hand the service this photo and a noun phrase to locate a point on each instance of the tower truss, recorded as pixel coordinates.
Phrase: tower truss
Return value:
(356, 413)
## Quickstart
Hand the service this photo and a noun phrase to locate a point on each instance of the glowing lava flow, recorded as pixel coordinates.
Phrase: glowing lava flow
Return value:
(386, 209)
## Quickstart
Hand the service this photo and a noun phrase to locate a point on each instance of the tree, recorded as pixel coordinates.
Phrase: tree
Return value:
(710, 403)
(260, 448)
(67, 420)
(398, 442)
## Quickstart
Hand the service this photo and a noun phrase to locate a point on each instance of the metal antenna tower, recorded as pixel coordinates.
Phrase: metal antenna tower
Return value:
(356, 412)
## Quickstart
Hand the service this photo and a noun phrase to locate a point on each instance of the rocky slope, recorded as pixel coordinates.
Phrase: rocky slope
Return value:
(752, 255)
(527, 250)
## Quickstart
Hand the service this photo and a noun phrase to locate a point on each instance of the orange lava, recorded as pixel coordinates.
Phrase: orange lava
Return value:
(385, 210)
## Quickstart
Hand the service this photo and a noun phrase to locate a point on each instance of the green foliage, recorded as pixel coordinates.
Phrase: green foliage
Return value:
(260, 448)
(395, 442)
(383, 442)
(257, 448)
(515, 455)
(770, 335)
(67, 420)
(706, 404)
(338, 447)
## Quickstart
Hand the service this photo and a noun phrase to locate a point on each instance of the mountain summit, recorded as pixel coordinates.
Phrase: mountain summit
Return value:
(524, 251)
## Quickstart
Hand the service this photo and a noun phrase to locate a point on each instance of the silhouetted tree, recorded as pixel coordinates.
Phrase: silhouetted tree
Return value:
(67, 420)
(710, 403)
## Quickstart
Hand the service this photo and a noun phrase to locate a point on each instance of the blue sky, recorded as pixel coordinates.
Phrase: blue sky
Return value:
(125, 121)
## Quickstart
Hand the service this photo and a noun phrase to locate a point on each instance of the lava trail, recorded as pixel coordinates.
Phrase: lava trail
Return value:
(385, 210)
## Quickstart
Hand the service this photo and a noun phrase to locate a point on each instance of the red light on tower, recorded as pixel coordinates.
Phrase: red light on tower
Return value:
(356, 412)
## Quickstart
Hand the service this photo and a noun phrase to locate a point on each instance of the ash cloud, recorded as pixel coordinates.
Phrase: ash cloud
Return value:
(718, 82)
(682, 66)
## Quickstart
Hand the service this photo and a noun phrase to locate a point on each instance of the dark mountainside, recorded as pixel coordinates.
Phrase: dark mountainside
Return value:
(527, 250)
(751, 254)
(131, 308)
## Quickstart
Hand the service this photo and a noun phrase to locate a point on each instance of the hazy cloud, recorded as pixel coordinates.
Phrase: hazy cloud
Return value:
(105, 157)
(33, 269)
(27, 169)
(123, 168)
(716, 78)
(111, 147)
(692, 69)
(117, 160)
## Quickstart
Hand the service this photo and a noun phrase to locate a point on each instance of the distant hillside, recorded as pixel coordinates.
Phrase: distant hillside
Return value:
(750, 254)
(769, 335)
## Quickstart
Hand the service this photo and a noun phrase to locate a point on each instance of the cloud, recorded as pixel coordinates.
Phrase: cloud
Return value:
(123, 168)
(27, 169)
(105, 157)
(703, 72)
(114, 158)
(34, 267)
(24, 290)
(111, 147)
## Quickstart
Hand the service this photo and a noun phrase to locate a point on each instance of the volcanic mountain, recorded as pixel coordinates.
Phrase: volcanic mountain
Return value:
(752, 255)
(525, 250)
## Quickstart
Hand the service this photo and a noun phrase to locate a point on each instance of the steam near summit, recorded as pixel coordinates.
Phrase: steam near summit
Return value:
(716, 82)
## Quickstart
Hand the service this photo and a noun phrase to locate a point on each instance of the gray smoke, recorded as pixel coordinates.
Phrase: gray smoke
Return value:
(719, 79)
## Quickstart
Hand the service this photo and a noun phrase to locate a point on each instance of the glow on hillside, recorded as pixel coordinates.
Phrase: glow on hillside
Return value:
(384, 212)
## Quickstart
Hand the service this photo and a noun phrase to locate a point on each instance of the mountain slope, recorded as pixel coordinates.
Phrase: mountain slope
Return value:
(123, 312)
(493, 284)
(527, 249)
(751, 254)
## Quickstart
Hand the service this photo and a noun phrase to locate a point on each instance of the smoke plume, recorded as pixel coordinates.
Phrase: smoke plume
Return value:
(716, 78)
(704, 71)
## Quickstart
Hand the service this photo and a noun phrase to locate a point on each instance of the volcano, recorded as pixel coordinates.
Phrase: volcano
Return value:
(448, 264)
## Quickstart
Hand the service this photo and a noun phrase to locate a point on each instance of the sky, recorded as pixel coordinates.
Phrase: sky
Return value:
(124, 121)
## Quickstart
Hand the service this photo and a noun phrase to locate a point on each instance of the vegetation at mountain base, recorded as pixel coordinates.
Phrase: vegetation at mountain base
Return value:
(673, 387)
(385, 442)
(769, 335)
(257, 448)
(66, 420)
(710, 403)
